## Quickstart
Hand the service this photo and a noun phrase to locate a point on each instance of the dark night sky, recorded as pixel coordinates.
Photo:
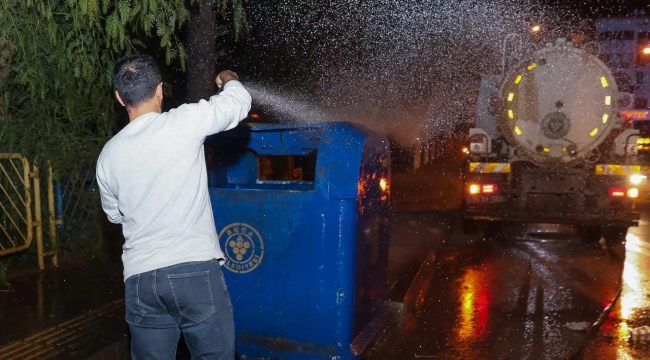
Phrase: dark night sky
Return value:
(248, 58)
(303, 53)
(281, 53)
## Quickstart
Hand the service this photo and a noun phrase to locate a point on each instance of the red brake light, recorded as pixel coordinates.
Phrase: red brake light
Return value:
(482, 189)
(621, 192)
(617, 192)
(489, 189)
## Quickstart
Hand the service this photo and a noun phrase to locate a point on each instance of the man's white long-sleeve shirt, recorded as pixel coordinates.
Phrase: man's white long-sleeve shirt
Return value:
(152, 179)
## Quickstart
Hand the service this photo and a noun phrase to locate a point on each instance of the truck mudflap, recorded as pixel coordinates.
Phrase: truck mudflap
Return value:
(609, 219)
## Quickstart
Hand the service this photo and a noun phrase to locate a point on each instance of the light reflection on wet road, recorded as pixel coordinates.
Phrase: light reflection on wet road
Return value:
(516, 299)
(496, 299)
(633, 309)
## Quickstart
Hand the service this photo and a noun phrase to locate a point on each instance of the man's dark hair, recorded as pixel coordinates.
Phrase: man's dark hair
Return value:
(136, 78)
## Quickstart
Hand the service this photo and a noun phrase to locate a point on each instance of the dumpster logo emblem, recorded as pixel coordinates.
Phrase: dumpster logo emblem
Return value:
(243, 247)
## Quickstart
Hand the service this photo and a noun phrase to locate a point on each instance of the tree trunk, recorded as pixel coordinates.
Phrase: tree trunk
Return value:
(201, 53)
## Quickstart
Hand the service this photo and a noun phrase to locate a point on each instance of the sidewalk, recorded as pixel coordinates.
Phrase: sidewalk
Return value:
(66, 311)
(40, 299)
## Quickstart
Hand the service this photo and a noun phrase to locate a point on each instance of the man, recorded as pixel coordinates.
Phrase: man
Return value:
(152, 180)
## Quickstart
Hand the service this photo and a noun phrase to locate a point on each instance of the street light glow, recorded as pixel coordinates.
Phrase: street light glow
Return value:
(646, 50)
(536, 28)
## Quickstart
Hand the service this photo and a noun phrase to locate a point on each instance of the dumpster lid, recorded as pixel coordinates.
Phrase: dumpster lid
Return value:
(281, 127)
(329, 154)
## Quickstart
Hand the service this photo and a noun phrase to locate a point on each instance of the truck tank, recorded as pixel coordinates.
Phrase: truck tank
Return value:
(549, 147)
(557, 106)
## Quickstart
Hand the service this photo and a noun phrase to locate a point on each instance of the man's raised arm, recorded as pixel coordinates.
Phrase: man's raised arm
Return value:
(221, 112)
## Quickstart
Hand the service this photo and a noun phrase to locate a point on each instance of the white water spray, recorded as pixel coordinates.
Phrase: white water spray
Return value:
(289, 108)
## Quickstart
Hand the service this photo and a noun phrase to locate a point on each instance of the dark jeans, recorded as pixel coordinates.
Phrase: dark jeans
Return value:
(190, 297)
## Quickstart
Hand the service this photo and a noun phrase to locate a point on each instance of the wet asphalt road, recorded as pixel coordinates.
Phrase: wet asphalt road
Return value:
(512, 297)
(633, 308)
(517, 297)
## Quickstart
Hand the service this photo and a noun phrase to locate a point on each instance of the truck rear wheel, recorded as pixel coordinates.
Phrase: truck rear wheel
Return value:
(615, 234)
(612, 234)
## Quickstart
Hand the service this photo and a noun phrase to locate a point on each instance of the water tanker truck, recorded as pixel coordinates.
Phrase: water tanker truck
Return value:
(548, 147)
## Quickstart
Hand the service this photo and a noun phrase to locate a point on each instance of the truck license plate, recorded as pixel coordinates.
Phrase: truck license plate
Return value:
(485, 200)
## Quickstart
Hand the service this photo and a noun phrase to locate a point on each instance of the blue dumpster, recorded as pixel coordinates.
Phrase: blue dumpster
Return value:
(302, 217)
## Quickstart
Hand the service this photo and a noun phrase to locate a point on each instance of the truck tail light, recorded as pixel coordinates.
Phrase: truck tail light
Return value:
(633, 193)
(489, 189)
(484, 189)
(617, 192)
(621, 192)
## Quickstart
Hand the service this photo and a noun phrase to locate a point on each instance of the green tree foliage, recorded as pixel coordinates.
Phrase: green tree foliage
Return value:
(56, 57)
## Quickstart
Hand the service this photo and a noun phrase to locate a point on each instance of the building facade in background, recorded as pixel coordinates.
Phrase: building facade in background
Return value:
(625, 48)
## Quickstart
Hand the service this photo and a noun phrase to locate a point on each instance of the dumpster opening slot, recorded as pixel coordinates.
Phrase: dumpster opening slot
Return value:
(286, 168)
